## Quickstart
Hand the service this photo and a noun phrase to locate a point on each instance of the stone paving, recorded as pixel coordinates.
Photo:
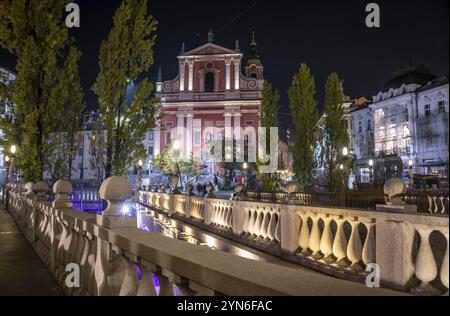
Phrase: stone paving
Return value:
(22, 273)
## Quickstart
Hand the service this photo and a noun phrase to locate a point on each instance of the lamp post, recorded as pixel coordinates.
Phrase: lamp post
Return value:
(7, 160)
(245, 167)
(177, 176)
(411, 175)
(371, 171)
(12, 167)
(140, 164)
(342, 166)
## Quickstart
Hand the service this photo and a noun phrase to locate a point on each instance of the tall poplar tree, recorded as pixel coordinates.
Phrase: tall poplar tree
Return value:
(269, 118)
(335, 131)
(124, 57)
(34, 31)
(305, 116)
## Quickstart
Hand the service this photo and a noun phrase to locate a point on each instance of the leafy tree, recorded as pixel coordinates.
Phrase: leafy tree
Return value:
(69, 95)
(125, 56)
(34, 32)
(166, 163)
(305, 116)
(269, 118)
(335, 131)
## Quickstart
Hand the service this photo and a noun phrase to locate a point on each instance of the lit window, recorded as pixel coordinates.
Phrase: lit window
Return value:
(427, 110)
(197, 138)
(405, 115)
(406, 132)
(441, 107)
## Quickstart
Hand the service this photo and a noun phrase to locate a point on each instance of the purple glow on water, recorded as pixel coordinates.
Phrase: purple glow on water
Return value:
(96, 208)
(139, 274)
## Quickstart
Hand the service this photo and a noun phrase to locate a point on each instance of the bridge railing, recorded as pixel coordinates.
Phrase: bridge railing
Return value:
(411, 250)
(432, 202)
(114, 257)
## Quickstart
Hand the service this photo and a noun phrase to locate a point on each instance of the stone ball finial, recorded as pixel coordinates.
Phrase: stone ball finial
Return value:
(40, 189)
(115, 191)
(393, 188)
(40, 186)
(29, 188)
(62, 188)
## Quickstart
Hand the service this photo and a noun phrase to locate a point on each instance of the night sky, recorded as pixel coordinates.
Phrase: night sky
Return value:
(330, 36)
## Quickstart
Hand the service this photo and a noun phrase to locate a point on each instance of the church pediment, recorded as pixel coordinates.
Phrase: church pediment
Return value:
(209, 49)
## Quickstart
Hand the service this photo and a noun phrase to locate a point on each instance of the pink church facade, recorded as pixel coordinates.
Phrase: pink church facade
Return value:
(209, 99)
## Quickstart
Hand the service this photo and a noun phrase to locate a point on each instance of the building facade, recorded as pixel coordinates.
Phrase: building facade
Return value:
(405, 129)
(210, 99)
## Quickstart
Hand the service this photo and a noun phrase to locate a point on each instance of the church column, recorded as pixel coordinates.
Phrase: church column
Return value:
(190, 131)
(182, 75)
(237, 72)
(237, 125)
(157, 140)
(228, 127)
(180, 131)
(228, 74)
(191, 75)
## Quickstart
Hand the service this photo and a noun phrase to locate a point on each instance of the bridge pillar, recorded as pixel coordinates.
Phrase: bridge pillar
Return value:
(116, 191)
(290, 228)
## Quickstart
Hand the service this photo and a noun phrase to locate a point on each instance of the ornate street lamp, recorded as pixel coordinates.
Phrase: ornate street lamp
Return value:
(245, 167)
(371, 171)
(177, 176)
(12, 167)
(345, 152)
(140, 164)
(411, 175)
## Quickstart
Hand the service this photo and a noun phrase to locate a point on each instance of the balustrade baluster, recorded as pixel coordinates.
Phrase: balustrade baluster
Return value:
(340, 244)
(445, 266)
(354, 249)
(278, 229)
(251, 223)
(368, 253)
(147, 285)
(130, 284)
(303, 240)
(326, 242)
(265, 225)
(258, 223)
(247, 215)
(272, 226)
(165, 286)
(314, 239)
(426, 268)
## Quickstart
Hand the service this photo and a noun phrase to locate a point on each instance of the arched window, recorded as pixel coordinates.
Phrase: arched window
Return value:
(254, 76)
(209, 82)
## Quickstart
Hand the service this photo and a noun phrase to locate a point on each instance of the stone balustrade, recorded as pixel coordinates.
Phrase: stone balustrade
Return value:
(114, 257)
(341, 242)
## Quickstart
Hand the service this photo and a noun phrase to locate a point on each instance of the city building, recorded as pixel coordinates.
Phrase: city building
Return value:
(404, 132)
(209, 98)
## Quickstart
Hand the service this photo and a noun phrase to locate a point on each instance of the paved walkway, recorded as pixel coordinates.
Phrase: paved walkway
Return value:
(22, 273)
